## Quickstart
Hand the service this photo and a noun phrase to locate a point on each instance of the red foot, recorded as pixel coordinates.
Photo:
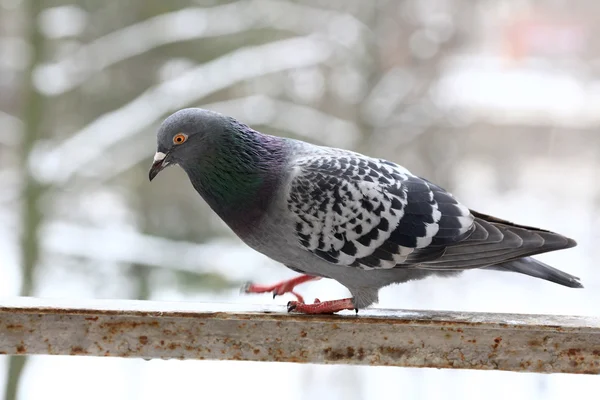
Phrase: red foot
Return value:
(280, 288)
(321, 307)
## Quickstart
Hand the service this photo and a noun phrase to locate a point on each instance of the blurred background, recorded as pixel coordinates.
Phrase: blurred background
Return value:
(498, 101)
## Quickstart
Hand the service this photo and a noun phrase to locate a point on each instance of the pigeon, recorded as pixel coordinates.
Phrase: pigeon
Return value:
(324, 212)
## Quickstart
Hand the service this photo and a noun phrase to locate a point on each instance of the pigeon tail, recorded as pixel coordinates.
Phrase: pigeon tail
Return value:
(537, 269)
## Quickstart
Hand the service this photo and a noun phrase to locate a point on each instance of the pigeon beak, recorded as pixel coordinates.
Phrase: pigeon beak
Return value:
(158, 165)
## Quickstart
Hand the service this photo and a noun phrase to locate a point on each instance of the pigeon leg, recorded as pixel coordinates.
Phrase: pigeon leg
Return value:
(280, 288)
(321, 307)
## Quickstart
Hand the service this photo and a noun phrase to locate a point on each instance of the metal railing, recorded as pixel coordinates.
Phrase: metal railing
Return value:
(512, 342)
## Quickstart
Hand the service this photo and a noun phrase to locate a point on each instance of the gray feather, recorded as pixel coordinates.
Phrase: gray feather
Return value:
(537, 269)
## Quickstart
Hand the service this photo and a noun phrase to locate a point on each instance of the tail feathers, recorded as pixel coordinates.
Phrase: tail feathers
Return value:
(537, 269)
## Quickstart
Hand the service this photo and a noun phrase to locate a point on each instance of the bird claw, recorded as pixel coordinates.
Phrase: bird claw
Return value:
(291, 306)
(320, 307)
(280, 288)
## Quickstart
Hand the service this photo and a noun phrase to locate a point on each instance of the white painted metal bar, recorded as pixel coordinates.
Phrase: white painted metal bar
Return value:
(513, 342)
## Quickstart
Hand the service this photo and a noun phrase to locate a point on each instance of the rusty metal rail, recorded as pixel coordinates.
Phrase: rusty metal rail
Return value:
(534, 343)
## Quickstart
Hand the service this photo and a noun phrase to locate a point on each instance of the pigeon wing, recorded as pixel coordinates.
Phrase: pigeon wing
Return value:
(358, 211)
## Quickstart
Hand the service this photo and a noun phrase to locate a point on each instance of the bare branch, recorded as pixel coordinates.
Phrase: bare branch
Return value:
(189, 24)
(59, 164)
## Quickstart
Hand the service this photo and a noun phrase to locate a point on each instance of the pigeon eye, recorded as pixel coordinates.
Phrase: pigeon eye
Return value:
(180, 138)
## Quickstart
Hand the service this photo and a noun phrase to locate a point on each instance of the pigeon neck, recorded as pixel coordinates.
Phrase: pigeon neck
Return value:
(239, 178)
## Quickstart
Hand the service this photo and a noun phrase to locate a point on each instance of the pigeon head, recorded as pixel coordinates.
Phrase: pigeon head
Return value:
(233, 167)
(186, 136)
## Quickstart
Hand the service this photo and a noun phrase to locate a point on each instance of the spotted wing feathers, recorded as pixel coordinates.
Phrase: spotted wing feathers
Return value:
(369, 213)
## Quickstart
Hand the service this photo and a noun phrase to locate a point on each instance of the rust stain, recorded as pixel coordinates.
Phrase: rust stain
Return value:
(143, 340)
(78, 350)
(13, 327)
(496, 343)
(393, 352)
(92, 318)
(338, 354)
(303, 333)
(121, 326)
(573, 352)
(361, 353)
(540, 366)
(350, 352)
(21, 349)
(256, 351)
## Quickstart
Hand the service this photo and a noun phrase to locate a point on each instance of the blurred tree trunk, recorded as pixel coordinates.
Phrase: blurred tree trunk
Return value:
(31, 114)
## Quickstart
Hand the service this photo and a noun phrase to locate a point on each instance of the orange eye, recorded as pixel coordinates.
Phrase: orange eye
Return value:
(180, 138)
